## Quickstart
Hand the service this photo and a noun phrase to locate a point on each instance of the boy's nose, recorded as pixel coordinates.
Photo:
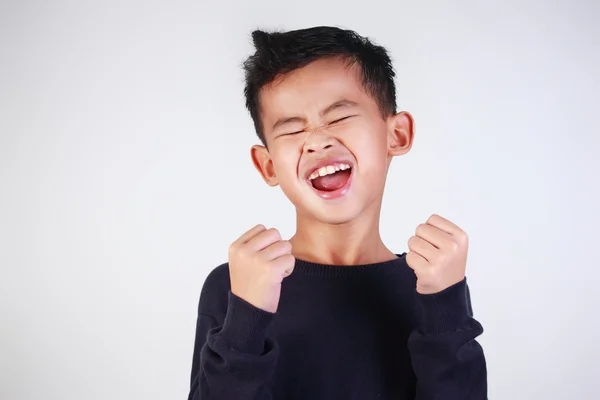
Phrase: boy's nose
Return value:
(317, 141)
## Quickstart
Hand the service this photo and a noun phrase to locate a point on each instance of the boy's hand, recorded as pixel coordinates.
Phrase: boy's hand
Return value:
(438, 255)
(258, 262)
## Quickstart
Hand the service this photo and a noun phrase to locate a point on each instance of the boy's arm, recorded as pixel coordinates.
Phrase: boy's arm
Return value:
(448, 362)
(236, 359)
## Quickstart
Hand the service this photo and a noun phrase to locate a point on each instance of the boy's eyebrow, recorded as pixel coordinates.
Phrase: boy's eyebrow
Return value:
(338, 104)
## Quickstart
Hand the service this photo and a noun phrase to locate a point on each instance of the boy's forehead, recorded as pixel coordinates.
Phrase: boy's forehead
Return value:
(309, 89)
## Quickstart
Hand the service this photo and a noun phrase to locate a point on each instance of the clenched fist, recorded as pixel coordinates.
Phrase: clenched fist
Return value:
(438, 255)
(258, 262)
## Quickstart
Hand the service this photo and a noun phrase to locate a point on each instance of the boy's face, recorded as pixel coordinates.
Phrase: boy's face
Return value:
(320, 116)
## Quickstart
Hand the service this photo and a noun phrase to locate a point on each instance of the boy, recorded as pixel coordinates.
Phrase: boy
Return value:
(332, 313)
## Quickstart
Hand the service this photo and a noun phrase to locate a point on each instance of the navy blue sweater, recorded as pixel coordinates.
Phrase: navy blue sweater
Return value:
(340, 332)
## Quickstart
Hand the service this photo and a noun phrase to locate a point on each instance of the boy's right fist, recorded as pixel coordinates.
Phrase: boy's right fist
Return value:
(258, 262)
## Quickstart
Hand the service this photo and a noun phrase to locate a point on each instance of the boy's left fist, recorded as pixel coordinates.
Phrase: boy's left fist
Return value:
(438, 255)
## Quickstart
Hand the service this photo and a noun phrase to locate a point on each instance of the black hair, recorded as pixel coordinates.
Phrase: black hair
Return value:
(278, 53)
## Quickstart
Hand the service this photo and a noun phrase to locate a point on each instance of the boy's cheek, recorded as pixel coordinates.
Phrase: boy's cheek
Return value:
(288, 177)
(365, 141)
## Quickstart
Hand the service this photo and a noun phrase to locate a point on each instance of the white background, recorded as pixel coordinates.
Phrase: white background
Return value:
(125, 174)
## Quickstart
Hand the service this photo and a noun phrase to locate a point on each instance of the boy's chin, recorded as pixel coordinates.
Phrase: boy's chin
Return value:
(333, 215)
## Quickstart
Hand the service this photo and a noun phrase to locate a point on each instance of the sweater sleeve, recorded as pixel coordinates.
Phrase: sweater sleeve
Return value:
(236, 359)
(448, 362)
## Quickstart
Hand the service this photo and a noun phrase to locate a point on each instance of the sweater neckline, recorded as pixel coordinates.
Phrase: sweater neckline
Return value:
(331, 271)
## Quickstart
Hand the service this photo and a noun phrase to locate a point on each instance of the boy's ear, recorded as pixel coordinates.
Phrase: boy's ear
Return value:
(264, 164)
(401, 131)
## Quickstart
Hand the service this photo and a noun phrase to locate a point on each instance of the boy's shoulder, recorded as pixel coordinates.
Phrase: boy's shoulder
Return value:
(219, 275)
(215, 291)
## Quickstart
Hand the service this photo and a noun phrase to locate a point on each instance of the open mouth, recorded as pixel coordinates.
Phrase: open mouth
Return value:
(331, 181)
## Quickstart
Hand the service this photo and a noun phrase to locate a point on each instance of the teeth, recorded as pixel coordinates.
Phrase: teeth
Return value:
(328, 170)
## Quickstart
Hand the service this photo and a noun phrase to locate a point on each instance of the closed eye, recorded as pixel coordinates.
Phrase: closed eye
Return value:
(341, 119)
(332, 122)
(292, 133)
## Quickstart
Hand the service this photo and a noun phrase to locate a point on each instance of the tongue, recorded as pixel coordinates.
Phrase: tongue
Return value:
(329, 183)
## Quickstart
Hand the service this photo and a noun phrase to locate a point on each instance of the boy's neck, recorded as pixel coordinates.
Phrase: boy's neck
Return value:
(356, 242)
